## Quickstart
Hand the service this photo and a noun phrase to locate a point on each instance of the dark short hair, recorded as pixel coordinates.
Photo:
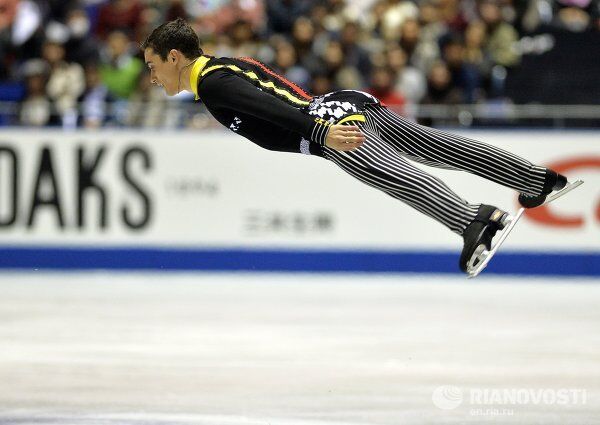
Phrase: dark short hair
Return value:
(177, 34)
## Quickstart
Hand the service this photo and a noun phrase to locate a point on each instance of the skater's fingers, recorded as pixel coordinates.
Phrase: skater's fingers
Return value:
(353, 134)
(344, 129)
(350, 138)
(342, 137)
(351, 128)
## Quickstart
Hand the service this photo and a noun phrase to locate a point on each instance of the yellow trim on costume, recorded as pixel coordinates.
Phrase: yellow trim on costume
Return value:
(195, 74)
(211, 69)
(355, 117)
(282, 92)
(252, 75)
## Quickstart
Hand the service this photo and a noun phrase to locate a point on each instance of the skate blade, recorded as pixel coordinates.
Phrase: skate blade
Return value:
(479, 253)
(485, 256)
(569, 187)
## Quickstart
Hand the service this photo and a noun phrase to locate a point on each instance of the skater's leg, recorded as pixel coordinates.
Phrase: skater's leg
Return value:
(378, 164)
(442, 149)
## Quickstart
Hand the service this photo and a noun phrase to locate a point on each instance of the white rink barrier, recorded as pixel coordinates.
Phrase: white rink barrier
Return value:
(214, 201)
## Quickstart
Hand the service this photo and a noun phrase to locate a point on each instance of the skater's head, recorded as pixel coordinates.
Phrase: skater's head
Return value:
(169, 49)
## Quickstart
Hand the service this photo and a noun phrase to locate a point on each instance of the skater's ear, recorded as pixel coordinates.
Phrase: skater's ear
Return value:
(173, 56)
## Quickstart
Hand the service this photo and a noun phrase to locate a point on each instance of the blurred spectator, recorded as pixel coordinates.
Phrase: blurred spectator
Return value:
(501, 36)
(341, 75)
(21, 33)
(80, 47)
(382, 87)
(475, 40)
(95, 99)
(35, 110)
(573, 16)
(27, 20)
(358, 11)
(221, 15)
(492, 76)
(409, 80)
(150, 18)
(409, 36)
(440, 90)
(317, 15)
(148, 105)
(286, 63)
(419, 53)
(355, 56)
(536, 13)
(281, 14)
(120, 69)
(453, 15)
(395, 14)
(242, 40)
(464, 75)
(432, 28)
(175, 9)
(8, 11)
(65, 83)
(373, 21)
(220, 45)
(124, 15)
(337, 12)
(303, 39)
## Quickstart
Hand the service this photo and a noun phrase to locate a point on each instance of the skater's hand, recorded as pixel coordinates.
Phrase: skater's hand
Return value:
(344, 137)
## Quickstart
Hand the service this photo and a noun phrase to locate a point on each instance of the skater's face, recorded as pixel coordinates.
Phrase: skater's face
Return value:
(166, 73)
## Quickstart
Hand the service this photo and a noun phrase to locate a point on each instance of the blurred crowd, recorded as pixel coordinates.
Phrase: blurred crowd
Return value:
(77, 62)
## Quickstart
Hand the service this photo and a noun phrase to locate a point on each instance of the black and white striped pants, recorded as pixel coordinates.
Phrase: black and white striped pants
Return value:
(381, 162)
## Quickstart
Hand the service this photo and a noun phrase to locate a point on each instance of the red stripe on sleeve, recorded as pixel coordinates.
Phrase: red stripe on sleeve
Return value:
(294, 87)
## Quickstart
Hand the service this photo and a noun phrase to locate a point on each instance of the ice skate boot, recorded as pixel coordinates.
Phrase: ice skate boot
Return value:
(479, 234)
(556, 183)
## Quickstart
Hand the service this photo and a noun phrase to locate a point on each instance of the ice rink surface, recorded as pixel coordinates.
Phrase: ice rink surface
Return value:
(274, 349)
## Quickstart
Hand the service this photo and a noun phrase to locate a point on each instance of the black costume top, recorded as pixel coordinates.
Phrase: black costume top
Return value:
(252, 100)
